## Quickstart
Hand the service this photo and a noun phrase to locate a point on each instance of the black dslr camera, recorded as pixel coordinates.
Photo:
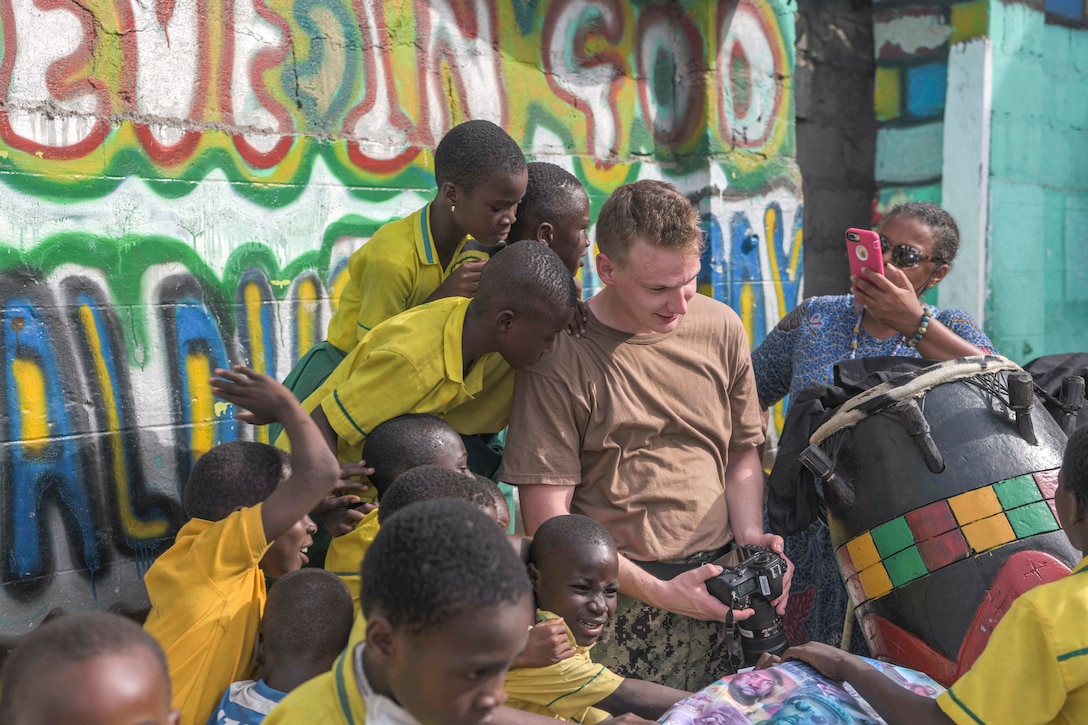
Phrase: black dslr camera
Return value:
(751, 579)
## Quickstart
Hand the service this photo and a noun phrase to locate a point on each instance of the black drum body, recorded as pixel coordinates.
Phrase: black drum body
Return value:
(937, 532)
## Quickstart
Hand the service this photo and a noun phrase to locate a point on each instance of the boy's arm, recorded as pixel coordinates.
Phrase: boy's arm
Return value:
(325, 428)
(314, 468)
(640, 697)
(893, 703)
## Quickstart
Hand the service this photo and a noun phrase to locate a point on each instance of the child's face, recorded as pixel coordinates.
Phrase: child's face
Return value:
(288, 552)
(454, 674)
(120, 688)
(569, 238)
(452, 455)
(579, 583)
(490, 209)
(527, 338)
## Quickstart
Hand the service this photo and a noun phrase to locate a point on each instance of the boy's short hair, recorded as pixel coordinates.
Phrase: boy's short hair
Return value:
(548, 198)
(526, 278)
(69, 639)
(232, 476)
(473, 151)
(402, 443)
(1075, 463)
(435, 560)
(652, 211)
(490, 486)
(308, 616)
(946, 234)
(569, 530)
(427, 483)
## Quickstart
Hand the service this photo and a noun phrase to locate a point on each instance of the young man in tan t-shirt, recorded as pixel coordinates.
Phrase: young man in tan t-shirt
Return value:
(649, 424)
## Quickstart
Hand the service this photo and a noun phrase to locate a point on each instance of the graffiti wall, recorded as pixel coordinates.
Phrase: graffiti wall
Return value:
(181, 183)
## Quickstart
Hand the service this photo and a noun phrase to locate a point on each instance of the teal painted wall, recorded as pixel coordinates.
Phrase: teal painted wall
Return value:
(1038, 242)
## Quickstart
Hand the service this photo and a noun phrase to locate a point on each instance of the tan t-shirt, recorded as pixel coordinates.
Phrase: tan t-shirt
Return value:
(642, 426)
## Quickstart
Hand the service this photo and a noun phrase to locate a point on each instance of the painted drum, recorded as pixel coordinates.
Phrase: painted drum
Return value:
(937, 532)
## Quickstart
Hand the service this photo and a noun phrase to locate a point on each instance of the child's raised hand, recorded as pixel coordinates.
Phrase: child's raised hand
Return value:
(340, 510)
(463, 282)
(548, 644)
(262, 396)
(577, 326)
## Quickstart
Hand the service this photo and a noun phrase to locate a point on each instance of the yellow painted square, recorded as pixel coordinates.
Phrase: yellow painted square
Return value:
(875, 581)
(886, 93)
(863, 552)
(989, 533)
(969, 20)
(975, 505)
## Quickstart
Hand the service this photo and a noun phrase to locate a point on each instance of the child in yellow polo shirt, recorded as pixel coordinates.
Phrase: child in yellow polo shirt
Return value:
(448, 607)
(454, 358)
(555, 212)
(248, 506)
(575, 573)
(88, 667)
(435, 252)
(1035, 666)
(394, 447)
(304, 629)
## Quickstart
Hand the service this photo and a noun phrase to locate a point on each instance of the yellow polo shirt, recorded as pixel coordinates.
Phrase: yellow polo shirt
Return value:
(413, 364)
(341, 696)
(395, 270)
(207, 595)
(1040, 648)
(567, 690)
(346, 553)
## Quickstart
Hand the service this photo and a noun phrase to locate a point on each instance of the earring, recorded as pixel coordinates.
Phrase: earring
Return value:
(453, 208)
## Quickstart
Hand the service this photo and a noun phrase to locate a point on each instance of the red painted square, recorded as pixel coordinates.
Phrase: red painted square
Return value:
(846, 564)
(932, 520)
(1047, 481)
(855, 590)
(943, 550)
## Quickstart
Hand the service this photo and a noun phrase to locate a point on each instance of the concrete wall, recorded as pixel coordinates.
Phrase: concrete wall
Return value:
(182, 182)
(984, 111)
(1038, 214)
(836, 133)
(912, 42)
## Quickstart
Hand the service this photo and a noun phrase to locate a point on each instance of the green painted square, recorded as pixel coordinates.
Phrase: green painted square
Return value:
(1030, 520)
(1017, 492)
(905, 567)
(892, 536)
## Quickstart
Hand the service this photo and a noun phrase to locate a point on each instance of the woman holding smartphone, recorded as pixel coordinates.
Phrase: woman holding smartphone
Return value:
(883, 315)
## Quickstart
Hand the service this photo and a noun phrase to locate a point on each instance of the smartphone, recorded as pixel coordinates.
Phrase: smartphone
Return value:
(863, 248)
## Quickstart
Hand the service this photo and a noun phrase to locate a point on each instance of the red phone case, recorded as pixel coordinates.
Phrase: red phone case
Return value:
(863, 249)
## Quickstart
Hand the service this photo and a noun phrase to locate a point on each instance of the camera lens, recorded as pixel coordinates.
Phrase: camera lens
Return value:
(763, 632)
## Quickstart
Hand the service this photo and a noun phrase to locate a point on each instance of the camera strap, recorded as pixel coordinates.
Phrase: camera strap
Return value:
(732, 638)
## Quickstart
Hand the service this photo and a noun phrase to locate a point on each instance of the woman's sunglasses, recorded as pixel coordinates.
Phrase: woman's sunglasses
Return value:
(904, 255)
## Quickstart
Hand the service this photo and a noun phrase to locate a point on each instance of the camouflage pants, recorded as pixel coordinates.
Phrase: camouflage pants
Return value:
(671, 649)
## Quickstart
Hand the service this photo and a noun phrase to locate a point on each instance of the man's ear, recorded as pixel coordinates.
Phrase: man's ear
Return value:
(379, 636)
(606, 268)
(504, 320)
(545, 232)
(450, 193)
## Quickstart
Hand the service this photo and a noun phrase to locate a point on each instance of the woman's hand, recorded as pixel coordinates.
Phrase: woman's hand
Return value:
(889, 299)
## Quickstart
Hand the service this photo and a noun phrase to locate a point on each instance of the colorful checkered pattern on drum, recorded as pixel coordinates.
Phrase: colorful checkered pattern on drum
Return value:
(908, 547)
